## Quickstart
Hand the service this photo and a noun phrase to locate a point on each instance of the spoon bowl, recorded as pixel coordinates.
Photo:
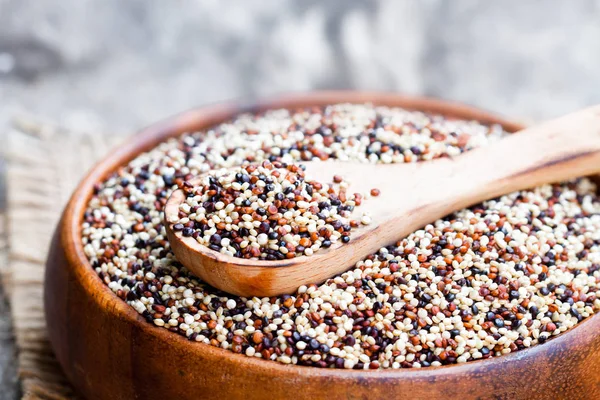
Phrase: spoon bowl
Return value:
(411, 196)
(251, 277)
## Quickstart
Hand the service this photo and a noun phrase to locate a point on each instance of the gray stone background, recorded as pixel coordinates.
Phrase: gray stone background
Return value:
(117, 65)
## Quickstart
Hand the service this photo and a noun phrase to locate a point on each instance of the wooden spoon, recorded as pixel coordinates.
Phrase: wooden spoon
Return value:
(412, 195)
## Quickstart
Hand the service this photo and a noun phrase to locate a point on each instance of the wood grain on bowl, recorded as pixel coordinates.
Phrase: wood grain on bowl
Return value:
(109, 351)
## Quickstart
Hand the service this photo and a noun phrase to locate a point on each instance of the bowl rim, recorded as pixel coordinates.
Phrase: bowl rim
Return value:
(211, 115)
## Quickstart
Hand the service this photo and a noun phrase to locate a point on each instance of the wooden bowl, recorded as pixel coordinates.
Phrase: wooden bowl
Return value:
(108, 351)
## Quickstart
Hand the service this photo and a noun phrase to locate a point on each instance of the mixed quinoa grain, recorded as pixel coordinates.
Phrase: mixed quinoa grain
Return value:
(267, 211)
(496, 278)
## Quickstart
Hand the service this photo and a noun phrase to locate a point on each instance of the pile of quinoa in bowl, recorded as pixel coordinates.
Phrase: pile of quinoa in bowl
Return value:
(492, 279)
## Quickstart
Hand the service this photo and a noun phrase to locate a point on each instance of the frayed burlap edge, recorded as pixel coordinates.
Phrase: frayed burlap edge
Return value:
(44, 164)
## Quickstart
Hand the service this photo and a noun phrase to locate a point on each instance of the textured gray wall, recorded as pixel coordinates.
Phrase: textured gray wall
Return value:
(121, 64)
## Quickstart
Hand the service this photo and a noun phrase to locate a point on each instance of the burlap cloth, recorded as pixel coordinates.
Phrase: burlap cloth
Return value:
(44, 163)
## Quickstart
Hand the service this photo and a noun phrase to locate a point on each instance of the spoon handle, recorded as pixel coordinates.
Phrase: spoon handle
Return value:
(558, 150)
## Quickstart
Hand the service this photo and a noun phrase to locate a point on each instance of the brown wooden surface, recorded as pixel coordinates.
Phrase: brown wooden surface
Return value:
(411, 197)
(108, 351)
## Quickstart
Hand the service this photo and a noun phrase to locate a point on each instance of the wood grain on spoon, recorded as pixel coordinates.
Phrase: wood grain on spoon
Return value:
(412, 195)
